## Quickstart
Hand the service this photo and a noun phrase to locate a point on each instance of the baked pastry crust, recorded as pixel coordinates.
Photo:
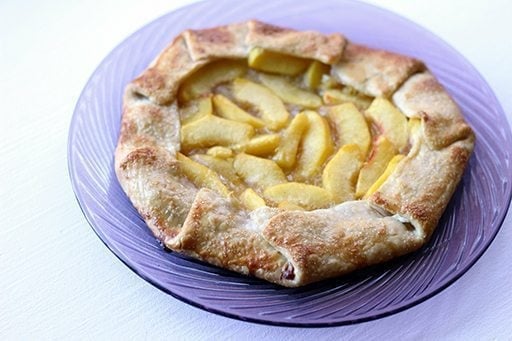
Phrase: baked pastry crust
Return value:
(291, 248)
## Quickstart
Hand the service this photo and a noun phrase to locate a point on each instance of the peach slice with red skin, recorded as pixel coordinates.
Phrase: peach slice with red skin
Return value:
(389, 121)
(350, 126)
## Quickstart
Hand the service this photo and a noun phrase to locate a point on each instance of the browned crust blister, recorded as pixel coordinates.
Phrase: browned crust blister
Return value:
(291, 248)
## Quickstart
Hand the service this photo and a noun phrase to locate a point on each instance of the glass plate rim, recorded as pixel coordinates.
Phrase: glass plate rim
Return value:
(399, 308)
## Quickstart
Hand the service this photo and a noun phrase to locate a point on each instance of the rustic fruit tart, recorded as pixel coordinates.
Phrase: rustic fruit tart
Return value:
(287, 155)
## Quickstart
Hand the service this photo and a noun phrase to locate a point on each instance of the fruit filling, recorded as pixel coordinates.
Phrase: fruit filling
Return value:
(280, 131)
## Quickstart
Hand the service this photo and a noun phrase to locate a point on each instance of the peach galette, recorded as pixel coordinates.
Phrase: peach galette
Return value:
(291, 156)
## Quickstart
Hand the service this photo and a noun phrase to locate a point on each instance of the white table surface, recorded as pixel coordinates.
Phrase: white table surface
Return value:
(58, 280)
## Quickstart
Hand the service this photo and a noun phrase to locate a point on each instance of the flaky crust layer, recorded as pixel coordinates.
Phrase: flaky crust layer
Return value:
(291, 248)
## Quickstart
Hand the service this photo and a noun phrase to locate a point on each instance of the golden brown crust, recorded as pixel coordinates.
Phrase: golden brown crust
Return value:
(145, 122)
(194, 48)
(150, 178)
(161, 81)
(328, 243)
(291, 248)
(216, 233)
(422, 96)
(374, 72)
(217, 42)
(305, 44)
(422, 184)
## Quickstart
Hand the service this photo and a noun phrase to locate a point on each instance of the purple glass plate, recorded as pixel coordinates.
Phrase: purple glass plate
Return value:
(467, 228)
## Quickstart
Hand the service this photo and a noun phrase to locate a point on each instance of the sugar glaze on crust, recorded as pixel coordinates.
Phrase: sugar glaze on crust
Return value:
(290, 248)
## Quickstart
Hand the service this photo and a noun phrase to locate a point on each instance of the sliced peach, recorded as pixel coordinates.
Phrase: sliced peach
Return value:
(229, 110)
(258, 172)
(290, 93)
(200, 175)
(350, 126)
(262, 145)
(314, 73)
(340, 174)
(285, 205)
(269, 61)
(223, 167)
(271, 108)
(306, 196)
(337, 96)
(206, 78)
(251, 199)
(220, 152)
(389, 121)
(382, 152)
(211, 130)
(315, 148)
(384, 176)
(286, 153)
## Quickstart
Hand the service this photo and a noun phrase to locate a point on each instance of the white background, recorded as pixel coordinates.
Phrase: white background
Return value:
(58, 280)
